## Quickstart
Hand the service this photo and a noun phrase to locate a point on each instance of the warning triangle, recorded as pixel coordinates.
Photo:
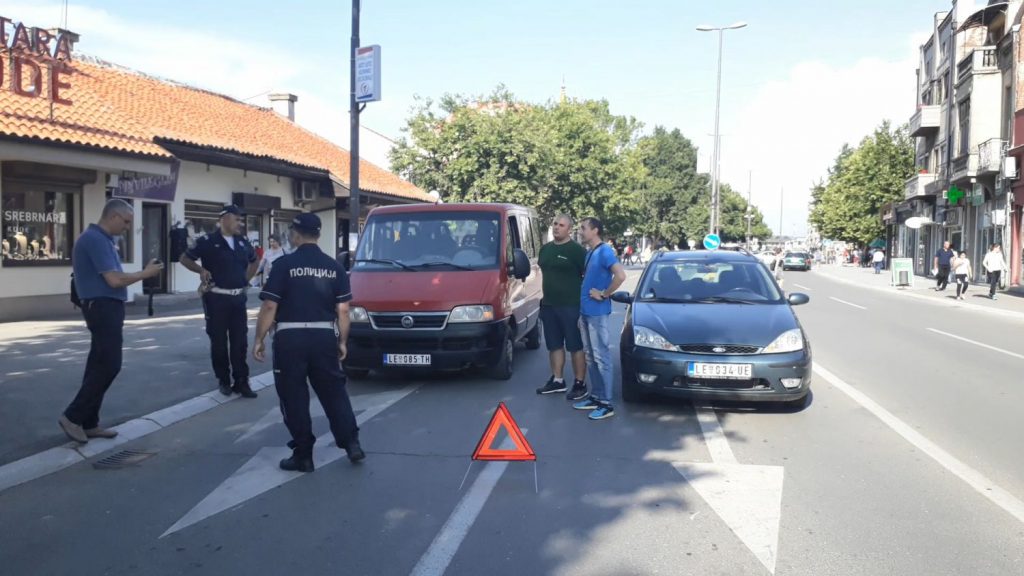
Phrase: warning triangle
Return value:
(522, 452)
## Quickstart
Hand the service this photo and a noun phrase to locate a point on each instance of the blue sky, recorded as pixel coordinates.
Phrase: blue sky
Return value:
(800, 80)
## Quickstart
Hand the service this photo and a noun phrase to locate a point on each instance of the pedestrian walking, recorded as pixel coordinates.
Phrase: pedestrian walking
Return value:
(878, 259)
(269, 256)
(101, 287)
(941, 266)
(307, 296)
(963, 273)
(778, 266)
(603, 275)
(228, 265)
(994, 265)
(562, 264)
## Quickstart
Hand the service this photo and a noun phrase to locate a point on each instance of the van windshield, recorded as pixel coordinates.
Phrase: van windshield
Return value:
(430, 240)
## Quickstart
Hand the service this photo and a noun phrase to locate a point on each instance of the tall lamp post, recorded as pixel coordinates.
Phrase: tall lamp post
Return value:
(713, 224)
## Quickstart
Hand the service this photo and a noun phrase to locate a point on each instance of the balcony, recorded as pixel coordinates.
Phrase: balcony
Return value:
(926, 121)
(980, 60)
(990, 156)
(964, 168)
(916, 186)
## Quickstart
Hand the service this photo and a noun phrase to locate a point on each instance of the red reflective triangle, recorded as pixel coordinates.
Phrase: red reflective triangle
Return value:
(522, 452)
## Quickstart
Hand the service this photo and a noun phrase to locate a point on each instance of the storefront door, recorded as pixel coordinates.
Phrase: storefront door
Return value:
(155, 243)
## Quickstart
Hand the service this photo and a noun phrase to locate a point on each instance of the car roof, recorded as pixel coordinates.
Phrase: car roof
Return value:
(454, 207)
(706, 256)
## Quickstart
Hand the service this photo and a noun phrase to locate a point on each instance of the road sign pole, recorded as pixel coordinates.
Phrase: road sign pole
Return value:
(353, 194)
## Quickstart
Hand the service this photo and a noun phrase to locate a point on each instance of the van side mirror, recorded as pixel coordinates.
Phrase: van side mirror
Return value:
(798, 299)
(520, 267)
(622, 297)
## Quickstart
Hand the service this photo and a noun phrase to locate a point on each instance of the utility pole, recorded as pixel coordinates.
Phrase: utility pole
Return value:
(782, 203)
(750, 210)
(353, 107)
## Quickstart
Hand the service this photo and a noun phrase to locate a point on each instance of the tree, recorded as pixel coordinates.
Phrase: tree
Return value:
(861, 181)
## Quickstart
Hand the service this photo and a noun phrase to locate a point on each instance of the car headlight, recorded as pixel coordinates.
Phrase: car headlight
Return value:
(358, 314)
(477, 313)
(788, 341)
(650, 339)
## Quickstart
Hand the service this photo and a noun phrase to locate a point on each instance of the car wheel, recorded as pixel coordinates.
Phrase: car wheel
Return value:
(357, 373)
(533, 338)
(502, 370)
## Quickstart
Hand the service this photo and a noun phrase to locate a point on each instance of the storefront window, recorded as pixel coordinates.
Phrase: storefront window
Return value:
(282, 220)
(38, 223)
(201, 218)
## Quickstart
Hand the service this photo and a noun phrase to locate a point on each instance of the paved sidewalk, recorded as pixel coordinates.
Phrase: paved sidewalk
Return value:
(1010, 302)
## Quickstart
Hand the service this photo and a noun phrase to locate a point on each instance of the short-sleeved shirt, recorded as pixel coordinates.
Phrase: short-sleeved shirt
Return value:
(598, 274)
(307, 286)
(227, 265)
(945, 257)
(562, 268)
(95, 253)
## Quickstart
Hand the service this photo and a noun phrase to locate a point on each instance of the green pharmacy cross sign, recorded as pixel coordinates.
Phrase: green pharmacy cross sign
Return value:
(954, 195)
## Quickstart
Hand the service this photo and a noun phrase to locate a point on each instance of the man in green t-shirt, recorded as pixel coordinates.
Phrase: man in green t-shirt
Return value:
(562, 262)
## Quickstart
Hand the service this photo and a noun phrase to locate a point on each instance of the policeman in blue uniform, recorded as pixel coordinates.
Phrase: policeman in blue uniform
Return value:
(307, 296)
(228, 264)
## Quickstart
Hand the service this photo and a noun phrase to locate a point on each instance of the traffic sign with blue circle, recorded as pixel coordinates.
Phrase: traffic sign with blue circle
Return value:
(712, 242)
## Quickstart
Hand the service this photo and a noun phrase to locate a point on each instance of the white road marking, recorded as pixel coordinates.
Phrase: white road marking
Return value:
(316, 410)
(976, 343)
(976, 480)
(261, 473)
(435, 560)
(802, 287)
(847, 303)
(748, 498)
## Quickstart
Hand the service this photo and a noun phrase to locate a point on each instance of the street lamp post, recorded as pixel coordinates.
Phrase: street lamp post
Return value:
(713, 223)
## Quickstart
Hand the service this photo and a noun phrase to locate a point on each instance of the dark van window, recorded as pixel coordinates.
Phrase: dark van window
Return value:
(430, 240)
(526, 238)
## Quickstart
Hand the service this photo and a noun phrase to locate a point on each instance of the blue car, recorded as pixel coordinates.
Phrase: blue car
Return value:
(713, 325)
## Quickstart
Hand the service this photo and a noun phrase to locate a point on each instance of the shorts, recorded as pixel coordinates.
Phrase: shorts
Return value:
(562, 327)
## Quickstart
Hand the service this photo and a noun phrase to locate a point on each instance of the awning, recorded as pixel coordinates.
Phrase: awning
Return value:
(985, 16)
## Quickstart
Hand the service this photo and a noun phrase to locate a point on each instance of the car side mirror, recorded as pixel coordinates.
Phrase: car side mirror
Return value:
(798, 299)
(520, 268)
(622, 297)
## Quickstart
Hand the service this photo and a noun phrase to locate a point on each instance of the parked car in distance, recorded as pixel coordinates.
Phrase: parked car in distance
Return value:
(713, 326)
(797, 261)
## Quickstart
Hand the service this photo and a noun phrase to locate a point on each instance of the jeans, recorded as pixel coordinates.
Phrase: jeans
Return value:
(878, 267)
(993, 282)
(105, 319)
(597, 345)
(942, 277)
(961, 284)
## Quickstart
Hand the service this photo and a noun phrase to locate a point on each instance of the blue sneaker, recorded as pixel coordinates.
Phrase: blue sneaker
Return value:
(589, 403)
(601, 412)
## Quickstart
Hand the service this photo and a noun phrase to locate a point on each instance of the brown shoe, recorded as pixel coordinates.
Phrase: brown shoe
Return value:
(74, 431)
(98, 432)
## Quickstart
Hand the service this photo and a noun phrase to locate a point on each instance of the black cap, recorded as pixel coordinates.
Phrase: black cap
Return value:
(230, 209)
(307, 223)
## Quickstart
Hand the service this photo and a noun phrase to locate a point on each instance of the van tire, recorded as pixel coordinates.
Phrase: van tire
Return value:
(533, 337)
(502, 370)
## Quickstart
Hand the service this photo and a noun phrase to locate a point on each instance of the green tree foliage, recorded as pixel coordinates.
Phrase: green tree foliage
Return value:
(862, 180)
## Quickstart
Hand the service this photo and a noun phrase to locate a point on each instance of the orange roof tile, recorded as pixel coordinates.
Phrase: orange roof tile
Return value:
(125, 111)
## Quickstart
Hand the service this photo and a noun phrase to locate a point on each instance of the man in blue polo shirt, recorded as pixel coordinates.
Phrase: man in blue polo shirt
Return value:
(102, 287)
(602, 276)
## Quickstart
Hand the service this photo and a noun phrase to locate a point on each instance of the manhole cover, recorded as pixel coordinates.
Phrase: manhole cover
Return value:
(122, 459)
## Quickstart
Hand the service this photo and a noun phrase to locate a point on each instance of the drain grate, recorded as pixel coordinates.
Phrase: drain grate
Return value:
(122, 459)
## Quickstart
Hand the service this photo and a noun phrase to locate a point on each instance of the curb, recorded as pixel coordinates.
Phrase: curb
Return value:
(55, 459)
(955, 304)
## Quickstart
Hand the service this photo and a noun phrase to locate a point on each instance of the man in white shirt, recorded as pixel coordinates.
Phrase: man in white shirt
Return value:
(994, 265)
(878, 259)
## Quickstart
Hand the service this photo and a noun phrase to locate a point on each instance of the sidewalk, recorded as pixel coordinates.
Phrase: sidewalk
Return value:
(1009, 302)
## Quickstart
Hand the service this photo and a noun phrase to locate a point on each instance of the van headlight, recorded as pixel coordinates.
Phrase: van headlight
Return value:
(358, 314)
(788, 341)
(476, 313)
(648, 338)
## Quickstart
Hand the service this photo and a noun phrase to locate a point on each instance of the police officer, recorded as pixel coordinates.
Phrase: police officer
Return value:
(307, 295)
(228, 264)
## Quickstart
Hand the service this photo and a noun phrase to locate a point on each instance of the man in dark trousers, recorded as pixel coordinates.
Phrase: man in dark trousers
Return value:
(307, 296)
(102, 288)
(228, 264)
(943, 263)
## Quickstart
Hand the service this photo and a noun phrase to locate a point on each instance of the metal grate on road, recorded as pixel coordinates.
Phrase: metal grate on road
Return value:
(122, 459)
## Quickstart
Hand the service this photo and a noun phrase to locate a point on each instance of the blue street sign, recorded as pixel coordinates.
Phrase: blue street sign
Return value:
(712, 242)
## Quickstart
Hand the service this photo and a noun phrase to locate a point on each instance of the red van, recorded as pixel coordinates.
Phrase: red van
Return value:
(445, 287)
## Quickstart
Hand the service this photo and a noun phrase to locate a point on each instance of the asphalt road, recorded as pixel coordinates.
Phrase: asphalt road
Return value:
(661, 488)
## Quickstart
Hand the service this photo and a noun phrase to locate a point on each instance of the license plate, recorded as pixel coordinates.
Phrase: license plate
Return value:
(407, 359)
(726, 371)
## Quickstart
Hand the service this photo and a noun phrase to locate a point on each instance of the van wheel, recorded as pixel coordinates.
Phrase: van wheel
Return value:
(533, 338)
(502, 370)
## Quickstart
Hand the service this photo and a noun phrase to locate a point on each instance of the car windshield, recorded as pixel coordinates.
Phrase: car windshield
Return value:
(413, 241)
(708, 283)
(800, 255)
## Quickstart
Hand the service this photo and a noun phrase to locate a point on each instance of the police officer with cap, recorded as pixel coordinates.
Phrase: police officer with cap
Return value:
(307, 296)
(228, 264)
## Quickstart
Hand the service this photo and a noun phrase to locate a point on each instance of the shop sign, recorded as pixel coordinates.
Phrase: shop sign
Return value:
(160, 188)
(37, 66)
